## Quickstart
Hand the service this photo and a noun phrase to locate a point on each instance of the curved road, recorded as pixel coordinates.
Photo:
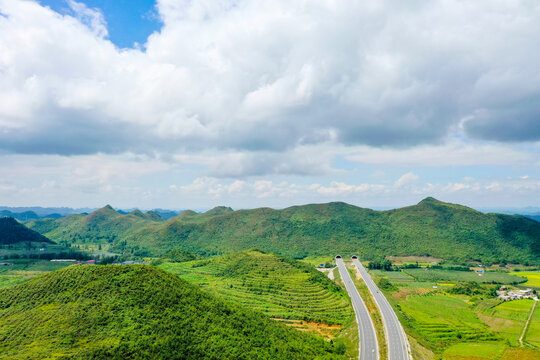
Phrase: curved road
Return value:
(396, 339)
(369, 349)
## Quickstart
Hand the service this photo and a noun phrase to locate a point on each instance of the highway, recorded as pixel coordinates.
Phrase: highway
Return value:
(369, 349)
(396, 339)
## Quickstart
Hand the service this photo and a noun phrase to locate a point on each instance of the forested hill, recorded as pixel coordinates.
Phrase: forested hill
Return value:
(431, 227)
(114, 312)
(11, 232)
(105, 225)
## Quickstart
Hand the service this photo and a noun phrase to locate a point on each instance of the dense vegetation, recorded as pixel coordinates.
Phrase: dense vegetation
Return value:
(434, 228)
(103, 228)
(277, 286)
(126, 312)
(12, 232)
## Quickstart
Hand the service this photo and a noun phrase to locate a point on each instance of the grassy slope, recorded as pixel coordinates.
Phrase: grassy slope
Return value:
(120, 312)
(431, 227)
(278, 287)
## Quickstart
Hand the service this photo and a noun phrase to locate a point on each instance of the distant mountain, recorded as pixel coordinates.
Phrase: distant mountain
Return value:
(138, 312)
(166, 214)
(104, 225)
(431, 227)
(42, 212)
(11, 232)
(534, 217)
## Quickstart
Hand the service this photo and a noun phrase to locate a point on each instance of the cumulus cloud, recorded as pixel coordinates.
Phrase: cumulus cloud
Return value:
(272, 76)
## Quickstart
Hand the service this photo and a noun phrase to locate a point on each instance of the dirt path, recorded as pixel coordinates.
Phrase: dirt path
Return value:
(527, 323)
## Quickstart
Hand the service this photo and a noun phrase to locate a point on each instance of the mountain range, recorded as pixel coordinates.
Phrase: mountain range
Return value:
(431, 227)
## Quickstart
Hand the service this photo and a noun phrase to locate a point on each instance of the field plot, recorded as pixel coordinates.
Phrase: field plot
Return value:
(444, 320)
(474, 351)
(25, 269)
(279, 287)
(533, 333)
(533, 277)
(437, 275)
(507, 318)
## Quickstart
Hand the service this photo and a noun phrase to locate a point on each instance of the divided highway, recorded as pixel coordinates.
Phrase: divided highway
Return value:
(369, 349)
(396, 339)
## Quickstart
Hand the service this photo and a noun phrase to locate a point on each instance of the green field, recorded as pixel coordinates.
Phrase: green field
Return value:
(279, 287)
(507, 319)
(533, 333)
(436, 275)
(474, 351)
(456, 326)
(444, 320)
(533, 277)
(25, 269)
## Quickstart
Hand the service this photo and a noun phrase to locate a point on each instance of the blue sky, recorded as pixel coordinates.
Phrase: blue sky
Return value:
(128, 21)
(191, 104)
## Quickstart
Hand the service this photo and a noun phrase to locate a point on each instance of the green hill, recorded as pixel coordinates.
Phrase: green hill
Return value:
(128, 312)
(104, 226)
(11, 232)
(431, 227)
(277, 286)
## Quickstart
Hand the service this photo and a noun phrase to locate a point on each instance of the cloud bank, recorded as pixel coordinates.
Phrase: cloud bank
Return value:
(254, 76)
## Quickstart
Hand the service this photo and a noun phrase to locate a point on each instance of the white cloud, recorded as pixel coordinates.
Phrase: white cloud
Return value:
(406, 179)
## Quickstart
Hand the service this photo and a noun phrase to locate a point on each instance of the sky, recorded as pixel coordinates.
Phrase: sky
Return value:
(191, 104)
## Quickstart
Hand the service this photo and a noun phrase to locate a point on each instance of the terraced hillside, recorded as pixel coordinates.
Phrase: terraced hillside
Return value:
(128, 312)
(279, 287)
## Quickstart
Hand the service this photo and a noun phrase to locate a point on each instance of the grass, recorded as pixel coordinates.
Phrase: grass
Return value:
(507, 319)
(533, 332)
(443, 320)
(533, 277)
(278, 287)
(25, 269)
(437, 275)
(474, 351)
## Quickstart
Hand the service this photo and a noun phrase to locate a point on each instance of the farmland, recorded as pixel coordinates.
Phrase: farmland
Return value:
(454, 325)
(25, 269)
(494, 277)
(533, 277)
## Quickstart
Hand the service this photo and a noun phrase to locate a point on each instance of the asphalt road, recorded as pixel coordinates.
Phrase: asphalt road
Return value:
(369, 349)
(396, 339)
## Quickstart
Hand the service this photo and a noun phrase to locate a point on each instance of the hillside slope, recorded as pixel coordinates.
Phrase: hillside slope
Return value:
(277, 286)
(126, 312)
(103, 226)
(11, 232)
(429, 228)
